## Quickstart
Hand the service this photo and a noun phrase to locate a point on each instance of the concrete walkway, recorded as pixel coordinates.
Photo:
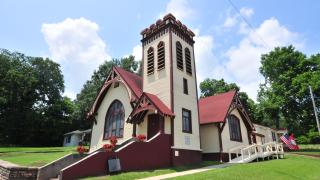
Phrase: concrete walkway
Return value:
(183, 173)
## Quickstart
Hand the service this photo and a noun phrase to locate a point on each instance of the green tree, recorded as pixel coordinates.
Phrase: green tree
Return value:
(32, 110)
(285, 96)
(210, 87)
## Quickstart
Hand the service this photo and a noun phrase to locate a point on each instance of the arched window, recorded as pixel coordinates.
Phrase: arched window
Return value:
(114, 121)
(161, 56)
(188, 61)
(150, 62)
(234, 128)
(179, 55)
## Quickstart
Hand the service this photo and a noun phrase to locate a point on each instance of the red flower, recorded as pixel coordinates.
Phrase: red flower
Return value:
(141, 137)
(108, 147)
(81, 149)
(113, 140)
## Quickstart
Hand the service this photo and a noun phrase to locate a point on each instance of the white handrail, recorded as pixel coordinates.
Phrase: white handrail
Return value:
(256, 150)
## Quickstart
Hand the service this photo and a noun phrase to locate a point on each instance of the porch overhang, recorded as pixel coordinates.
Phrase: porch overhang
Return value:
(148, 102)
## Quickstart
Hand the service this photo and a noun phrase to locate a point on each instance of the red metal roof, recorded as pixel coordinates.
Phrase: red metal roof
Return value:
(132, 80)
(159, 104)
(215, 108)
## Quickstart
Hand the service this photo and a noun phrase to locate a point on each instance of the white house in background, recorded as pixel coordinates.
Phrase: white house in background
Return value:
(264, 134)
(73, 138)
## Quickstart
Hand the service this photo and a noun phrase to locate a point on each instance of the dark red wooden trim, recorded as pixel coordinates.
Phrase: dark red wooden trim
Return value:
(134, 130)
(220, 140)
(196, 84)
(222, 157)
(171, 85)
(186, 157)
(142, 64)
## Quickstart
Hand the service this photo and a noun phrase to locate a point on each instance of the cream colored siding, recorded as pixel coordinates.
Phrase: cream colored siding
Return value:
(120, 93)
(181, 100)
(225, 135)
(167, 125)
(158, 83)
(266, 131)
(209, 138)
(260, 140)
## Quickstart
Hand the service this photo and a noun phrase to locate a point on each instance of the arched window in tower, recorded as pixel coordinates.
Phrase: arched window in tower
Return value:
(161, 56)
(150, 62)
(114, 121)
(188, 61)
(179, 55)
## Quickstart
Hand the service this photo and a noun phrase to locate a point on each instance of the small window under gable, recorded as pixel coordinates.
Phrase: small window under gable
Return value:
(161, 56)
(116, 84)
(234, 128)
(179, 55)
(188, 61)
(150, 61)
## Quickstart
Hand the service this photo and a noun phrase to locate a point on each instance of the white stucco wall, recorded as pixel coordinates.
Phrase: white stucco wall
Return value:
(158, 83)
(225, 135)
(209, 134)
(188, 101)
(120, 93)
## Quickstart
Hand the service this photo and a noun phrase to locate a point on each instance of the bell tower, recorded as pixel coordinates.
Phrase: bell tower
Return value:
(169, 73)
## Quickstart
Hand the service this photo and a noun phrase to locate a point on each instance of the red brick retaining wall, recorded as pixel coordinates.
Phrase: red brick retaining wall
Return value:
(136, 156)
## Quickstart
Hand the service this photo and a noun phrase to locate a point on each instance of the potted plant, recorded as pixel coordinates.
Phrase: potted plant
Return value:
(81, 149)
(108, 147)
(141, 137)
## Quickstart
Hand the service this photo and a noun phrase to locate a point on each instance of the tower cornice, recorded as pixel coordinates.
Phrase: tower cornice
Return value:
(162, 24)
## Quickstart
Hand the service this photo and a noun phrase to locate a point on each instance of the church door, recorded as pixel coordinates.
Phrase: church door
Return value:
(155, 125)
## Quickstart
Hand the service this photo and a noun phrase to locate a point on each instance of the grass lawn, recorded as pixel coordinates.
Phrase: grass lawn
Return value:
(33, 156)
(292, 167)
(308, 149)
(144, 174)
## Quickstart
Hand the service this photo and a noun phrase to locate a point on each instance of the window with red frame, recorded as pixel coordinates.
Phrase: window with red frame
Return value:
(114, 121)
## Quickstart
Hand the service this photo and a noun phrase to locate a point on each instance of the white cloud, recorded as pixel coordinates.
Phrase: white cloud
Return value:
(246, 12)
(70, 94)
(137, 52)
(232, 19)
(180, 9)
(76, 45)
(203, 49)
(244, 59)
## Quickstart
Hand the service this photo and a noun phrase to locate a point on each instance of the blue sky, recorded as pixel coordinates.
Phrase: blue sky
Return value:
(80, 34)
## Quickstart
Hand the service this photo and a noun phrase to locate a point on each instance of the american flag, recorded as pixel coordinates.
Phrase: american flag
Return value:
(289, 141)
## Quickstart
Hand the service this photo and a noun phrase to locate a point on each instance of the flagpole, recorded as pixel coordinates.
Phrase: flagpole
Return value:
(315, 109)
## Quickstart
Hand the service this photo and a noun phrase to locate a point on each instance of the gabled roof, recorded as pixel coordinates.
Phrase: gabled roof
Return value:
(145, 103)
(159, 104)
(215, 108)
(132, 80)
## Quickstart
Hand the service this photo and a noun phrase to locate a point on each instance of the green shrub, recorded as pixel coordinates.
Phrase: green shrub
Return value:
(312, 137)
(303, 140)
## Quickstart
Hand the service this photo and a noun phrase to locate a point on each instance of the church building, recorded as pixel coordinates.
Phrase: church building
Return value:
(162, 105)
